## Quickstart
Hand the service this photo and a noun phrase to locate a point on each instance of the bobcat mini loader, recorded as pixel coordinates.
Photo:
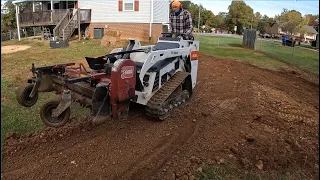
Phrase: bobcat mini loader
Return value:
(161, 77)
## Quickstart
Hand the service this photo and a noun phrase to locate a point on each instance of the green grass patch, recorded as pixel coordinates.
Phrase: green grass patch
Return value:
(277, 58)
(303, 58)
(224, 171)
(307, 45)
(226, 47)
(16, 69)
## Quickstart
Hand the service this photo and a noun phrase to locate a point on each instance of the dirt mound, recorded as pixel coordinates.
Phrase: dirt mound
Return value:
(13, 48)
(239, 115)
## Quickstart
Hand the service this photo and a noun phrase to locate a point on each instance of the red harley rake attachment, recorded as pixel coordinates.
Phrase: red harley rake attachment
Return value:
(107, 89)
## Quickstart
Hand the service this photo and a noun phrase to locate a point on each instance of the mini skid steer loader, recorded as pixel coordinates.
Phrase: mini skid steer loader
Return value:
(161, 77)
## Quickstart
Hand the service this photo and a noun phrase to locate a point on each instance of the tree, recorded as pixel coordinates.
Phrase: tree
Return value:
(256, 20)
(311, 19)
(264, 23)
(239, 15)
(8, 21)
(186, 4)
(207, 18)
(194, 11)
(220, 21)
(291, 21)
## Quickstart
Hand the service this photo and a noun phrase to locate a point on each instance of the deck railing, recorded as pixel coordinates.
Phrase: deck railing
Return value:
(49, 17)
(57, 31)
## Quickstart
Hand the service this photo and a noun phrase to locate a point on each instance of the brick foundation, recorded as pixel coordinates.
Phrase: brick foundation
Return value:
(139, 31)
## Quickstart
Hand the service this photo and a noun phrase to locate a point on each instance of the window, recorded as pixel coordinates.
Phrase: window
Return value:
(128, 5)
(70, 4)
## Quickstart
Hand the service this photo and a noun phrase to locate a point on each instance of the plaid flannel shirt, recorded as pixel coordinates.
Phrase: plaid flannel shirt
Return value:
(181, 23)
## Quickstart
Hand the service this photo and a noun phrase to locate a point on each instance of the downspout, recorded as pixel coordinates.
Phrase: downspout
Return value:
(17, 19)
(151, 20)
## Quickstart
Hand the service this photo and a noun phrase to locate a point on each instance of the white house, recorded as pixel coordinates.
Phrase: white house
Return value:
(141, 19)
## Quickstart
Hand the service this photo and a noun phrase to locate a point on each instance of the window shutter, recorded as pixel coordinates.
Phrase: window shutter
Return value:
(120, 5)
(136, 5)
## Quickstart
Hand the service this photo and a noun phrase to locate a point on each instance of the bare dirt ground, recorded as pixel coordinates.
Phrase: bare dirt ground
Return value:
(242, 116)
(13, 48)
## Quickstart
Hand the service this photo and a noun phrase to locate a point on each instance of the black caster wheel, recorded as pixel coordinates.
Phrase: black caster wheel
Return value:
(46, 115)
(22, 95)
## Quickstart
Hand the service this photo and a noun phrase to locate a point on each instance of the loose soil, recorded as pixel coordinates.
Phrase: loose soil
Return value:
(13, 48)
(239, 115)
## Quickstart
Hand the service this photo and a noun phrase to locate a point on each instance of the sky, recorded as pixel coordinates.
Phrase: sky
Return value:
(266, 7)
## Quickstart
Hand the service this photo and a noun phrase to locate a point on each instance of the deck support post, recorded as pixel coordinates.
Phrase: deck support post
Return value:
(17, 18)
(51, 11)
(79, 24)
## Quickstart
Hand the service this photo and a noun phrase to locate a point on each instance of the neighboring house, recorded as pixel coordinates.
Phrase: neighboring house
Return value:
(3, 9)
(140, 19)
(309, 32)
(219, 30)
(274, 28)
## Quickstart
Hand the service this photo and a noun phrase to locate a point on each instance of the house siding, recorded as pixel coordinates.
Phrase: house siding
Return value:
(107, 11)
(161, 11)
(131, 24)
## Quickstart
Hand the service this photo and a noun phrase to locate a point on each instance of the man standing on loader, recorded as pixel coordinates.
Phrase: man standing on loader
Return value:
(180, 20)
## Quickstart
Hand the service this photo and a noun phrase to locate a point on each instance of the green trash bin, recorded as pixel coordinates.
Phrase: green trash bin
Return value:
(98, 33)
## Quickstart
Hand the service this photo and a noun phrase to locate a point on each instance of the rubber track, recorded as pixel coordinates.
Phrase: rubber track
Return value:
(159, 98)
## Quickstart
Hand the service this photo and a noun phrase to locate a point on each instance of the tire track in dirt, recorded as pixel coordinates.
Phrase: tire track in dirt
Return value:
(51, 159)
(146, 166)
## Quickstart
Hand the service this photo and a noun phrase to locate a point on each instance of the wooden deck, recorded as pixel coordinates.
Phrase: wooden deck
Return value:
(50, 17)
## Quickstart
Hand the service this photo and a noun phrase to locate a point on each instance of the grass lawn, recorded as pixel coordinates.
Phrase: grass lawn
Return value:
(16, 68)
(232, 48)
(303, 58)
(229, 47)
(307, 45)
(224, 171)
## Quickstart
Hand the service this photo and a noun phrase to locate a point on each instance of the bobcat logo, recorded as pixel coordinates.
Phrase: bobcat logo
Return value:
(127, 72)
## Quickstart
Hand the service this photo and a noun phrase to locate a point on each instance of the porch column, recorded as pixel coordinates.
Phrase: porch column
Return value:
(78, 16)
(33, 6)
(17, 18)
(51, 11)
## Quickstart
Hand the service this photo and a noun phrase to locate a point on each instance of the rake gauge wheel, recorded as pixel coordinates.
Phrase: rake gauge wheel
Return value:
(22, 95)
(46, 115)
